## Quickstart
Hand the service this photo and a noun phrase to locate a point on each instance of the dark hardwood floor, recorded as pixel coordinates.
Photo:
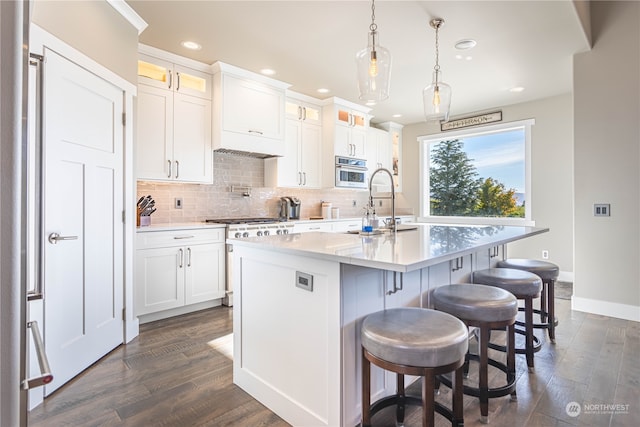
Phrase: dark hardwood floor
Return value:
(178, 372)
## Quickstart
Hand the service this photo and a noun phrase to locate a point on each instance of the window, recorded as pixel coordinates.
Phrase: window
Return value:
(477, 174)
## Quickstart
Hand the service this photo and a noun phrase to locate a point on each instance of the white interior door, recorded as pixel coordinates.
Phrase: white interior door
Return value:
(83, 157)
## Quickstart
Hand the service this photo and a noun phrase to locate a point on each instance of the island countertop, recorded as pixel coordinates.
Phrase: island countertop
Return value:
(401, 251)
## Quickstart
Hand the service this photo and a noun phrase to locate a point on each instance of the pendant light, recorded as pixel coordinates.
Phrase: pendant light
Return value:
(437, 96)
(374, 66)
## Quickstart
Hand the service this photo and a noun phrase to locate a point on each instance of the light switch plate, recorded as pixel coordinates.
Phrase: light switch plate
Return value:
(602, 209)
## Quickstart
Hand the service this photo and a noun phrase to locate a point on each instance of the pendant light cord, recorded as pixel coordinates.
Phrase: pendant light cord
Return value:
(437, 66)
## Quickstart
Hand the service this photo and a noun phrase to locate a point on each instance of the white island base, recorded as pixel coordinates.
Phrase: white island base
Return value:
(297, 336)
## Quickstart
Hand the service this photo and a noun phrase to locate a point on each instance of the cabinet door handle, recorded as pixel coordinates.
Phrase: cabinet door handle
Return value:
(188, 257)
(304, 174)
(299, 178)
(170, 79)
(181, 257)
(169, 174)
(299, 112)
(304, 110)
(177, 169)
(178, 81)
(255, 131)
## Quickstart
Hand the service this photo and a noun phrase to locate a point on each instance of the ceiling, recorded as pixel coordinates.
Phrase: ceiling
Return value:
(312, 44)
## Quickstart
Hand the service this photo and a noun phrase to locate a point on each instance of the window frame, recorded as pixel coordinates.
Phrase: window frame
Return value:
(425, 140)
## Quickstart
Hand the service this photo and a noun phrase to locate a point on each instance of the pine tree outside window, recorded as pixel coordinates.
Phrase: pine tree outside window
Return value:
(477, 175)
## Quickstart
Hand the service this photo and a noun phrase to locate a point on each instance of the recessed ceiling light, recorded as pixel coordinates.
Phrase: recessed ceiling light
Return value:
(323, 90)
(516, 89)
(468, 58)
(267, 71)
(191, 45)
(396, 116)
(466, 44)
(370, 103)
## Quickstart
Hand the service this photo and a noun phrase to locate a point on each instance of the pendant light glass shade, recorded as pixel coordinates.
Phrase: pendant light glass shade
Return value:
(437, 96)
(374, 67)
(437, 99)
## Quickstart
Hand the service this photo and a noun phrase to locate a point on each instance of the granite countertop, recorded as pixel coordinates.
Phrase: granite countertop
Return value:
(402, 251)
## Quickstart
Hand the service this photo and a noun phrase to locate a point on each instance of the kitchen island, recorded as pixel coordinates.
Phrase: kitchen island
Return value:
(300, 300)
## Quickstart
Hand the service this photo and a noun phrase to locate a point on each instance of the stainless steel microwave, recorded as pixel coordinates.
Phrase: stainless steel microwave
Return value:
(351, 173)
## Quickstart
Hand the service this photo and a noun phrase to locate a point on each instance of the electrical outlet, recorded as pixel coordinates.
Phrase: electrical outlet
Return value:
(379, 202)
(178, 204)
(353, 203)
(545, 254)
(602, 209)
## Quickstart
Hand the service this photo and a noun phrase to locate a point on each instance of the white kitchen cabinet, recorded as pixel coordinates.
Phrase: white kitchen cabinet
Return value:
(301, 165)
(304, 111)
(164, 74)
(344, 133)
(173, 126)
(248, 111)
(306, 227)
(178, 268)
(395, 136)
(379, 156)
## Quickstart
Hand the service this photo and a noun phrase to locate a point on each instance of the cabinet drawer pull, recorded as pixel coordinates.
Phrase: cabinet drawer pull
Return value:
(186, 236)
(255, 131)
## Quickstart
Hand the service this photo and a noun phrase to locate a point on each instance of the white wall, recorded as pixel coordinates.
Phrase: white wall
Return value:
(94, 28)
(551, 175)
(607, 163)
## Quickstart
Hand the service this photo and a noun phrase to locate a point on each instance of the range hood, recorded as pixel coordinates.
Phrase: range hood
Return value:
(245, 153)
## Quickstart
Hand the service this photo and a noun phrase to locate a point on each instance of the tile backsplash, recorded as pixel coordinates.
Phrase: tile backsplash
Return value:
(237, 172)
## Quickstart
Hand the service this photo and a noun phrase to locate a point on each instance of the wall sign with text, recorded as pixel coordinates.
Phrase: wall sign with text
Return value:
(482, 119)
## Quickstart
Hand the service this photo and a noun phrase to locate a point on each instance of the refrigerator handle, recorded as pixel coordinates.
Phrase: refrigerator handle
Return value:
(38, 200)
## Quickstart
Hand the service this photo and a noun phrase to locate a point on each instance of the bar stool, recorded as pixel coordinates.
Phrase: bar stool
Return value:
(548, 272)
(524, 286)
(487, 308)
(414, 341)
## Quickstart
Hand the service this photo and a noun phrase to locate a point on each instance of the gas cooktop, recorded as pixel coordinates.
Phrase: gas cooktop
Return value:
(257, 220)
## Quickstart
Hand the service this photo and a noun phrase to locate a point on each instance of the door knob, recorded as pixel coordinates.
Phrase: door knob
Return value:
(55, 237)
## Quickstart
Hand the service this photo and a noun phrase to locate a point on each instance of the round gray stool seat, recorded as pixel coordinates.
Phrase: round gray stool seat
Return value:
(520, 283)
(414, 341)
(415, 337)
(487, 308)
(548, 272)
(544, 269)
(476, 302)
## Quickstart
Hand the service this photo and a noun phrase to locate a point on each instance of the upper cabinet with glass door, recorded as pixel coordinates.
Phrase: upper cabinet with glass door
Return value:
(167, 75)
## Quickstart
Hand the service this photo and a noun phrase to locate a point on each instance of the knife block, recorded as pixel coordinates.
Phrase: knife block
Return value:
(142, 221)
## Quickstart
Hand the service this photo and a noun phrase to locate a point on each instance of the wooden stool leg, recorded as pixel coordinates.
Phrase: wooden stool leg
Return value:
(543, 302)
(428, 404)
(366, 391)
(457, 398)
(483, 382)
(552, 309)
(400, 403)
(528, 327)
(511, 357)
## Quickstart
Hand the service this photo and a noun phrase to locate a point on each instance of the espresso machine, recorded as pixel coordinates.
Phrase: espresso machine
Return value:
(289, 208)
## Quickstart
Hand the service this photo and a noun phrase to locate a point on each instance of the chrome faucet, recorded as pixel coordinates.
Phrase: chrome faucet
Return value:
(392, 223)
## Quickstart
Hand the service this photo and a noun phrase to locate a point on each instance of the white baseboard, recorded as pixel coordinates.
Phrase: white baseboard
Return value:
(565, 276)
(605, 308)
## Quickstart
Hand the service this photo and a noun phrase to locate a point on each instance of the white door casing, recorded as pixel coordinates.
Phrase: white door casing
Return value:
(83, 157)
